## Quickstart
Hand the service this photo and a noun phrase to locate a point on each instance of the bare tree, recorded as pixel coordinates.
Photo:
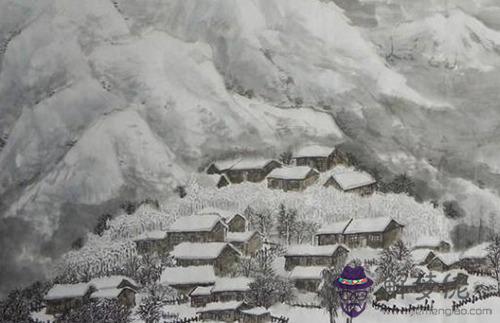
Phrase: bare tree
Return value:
(329, 297)
(494, 258)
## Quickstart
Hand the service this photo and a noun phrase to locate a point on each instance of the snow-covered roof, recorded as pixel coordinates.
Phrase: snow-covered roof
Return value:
(297, 172)
(221, 306)
(334, 228)
(151, 235)
(419, 255)
(195, 223)
(429, 242)
(252, 163)
(188, 275)
(353, 179)
(200, 250)
(310, 272)
(109, 293)
(256, 311)
(478, 251)
(235, 284)
(314, 151)
(448, 258)
(310, 250)
(240, 236)
(225, 164)
(201, 291)
(228, 215)
(362, 225)
(110, 282)
(61, 291)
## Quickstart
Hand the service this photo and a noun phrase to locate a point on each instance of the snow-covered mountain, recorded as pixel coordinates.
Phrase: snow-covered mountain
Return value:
(103, 101)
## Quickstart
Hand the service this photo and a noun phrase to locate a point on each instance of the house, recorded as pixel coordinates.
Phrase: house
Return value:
(307, 278)
(422, 256)
(353, 181)
(318, 157)
(231, 289)
(224, 257)
(201, 296)
(63, 297)
(124, 296)
(378, 232)
(186, 279)
(251, 170)
(152, 241)
(115, 281)
(233, 219)
(226, 311)
(197, 228)
(434, 283)
(244, 170)
(308, 255)
(432, 243)
(248, 242)
(292, 178)
(475, 258)
(255, 315)
(444, 262)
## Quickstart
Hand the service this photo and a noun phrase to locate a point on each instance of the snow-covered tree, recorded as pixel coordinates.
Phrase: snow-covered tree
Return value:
(395, 262)
(328, 294)
(286, 223)
(101, 311)
(267, 290)
(494, 258)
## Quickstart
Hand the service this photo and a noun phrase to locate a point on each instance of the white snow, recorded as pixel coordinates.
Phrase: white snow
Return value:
(429, 242)
(151, 235)
(334, 228)
(365, 253)
(252, 163)
(314, 151)
(195, 223)
(353, 179)
(109, 293)
(419, 255)
(258, 311)
(226, 284)
(449, 258)
(226, 214)
(240, 236)
(478, 251)
(292, 173)
(221, 306)
(360, 225)
(310, 250)
(224, 165)
(110, 282)
(188, 275)
(60, 291)
(201, 291)
(312, 272)
(207, 250)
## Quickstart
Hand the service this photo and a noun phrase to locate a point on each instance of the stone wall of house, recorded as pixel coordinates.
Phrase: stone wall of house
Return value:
(237, 224)
(310, 285)
(227, 262)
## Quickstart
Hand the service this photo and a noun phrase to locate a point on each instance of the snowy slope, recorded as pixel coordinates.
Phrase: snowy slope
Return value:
(452, 39)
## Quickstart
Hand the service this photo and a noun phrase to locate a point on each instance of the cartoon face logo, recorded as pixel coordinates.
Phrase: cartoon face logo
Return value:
(353, 286)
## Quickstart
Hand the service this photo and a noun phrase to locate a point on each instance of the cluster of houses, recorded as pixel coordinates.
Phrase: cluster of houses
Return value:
(335, 245)
(63, 297)
(306, 165)
(447, 271)
(207, 248)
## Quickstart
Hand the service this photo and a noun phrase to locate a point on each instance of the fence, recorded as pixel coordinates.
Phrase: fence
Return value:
(185, 320)
(404, 309)
(177, 301)
(280, 319)
(480, 273)
(305, 305)
(474, 298)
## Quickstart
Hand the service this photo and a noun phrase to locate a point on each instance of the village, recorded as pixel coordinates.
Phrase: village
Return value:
(224, 265)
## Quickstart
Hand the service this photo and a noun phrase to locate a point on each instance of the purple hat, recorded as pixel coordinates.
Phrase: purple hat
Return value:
(353, 279)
